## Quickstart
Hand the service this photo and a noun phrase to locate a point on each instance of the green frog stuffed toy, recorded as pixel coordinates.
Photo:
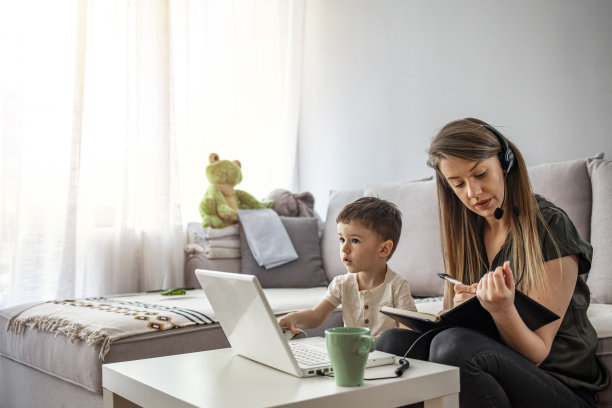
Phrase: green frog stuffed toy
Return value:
(221, 202)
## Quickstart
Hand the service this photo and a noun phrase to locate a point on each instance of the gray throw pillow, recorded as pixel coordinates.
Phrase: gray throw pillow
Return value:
(304, 272)
(566, 184)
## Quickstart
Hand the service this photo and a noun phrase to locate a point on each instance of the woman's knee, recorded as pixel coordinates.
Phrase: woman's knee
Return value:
(395, 341)
(452, 345)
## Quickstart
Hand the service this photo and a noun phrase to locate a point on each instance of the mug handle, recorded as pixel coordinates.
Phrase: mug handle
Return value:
(367, 344)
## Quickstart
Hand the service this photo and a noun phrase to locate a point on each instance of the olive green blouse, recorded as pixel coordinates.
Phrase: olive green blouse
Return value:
(572, 357)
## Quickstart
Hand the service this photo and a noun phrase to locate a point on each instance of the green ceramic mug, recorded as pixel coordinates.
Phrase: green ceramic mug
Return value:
(348, 349)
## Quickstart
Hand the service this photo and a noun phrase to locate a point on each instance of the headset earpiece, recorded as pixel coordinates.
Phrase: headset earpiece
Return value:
(505, 155)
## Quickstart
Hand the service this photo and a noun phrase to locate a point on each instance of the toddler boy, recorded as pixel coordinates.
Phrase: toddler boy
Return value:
(368, 232)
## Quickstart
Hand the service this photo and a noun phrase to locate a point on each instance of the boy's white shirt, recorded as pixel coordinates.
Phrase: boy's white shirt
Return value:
(362, 308)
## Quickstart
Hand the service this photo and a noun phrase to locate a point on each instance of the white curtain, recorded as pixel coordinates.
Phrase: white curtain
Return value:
(108, 113)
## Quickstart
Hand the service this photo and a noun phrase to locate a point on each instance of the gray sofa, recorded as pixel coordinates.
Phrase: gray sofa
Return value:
(583, 188)
(40, 369)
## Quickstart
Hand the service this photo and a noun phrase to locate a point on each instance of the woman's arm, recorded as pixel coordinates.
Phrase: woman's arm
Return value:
(496, 294)
(307, 319)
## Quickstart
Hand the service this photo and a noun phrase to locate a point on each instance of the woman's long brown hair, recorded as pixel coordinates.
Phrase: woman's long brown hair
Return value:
(461, 229)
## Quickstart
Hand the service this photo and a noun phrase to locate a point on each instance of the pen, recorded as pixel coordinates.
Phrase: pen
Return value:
(448, 278)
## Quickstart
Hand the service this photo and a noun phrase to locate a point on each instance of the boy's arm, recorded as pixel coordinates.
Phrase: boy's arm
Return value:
(307, 319)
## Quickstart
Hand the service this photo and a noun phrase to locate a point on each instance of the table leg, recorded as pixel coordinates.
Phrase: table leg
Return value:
(448, 401)
(112, 400)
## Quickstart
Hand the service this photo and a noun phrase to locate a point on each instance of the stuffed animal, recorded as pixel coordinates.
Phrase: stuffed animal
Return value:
(289, 204)
(221, 201)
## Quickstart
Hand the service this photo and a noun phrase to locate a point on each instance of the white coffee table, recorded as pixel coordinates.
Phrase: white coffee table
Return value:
(218, 378)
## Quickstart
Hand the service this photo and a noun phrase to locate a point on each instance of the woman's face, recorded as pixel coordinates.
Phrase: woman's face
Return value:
(478, 184)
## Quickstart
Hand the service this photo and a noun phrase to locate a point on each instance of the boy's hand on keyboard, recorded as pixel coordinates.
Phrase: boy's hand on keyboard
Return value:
(288, 334)
(289, 323)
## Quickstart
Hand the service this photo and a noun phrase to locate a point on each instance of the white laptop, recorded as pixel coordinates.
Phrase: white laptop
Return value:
(252, 330)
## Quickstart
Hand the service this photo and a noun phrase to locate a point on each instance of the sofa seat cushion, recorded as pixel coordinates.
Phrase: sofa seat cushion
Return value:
(600, 316)
(78, 363)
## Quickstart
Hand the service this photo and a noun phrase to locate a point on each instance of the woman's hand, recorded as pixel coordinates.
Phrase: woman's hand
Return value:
(463, 293)
(495, 291)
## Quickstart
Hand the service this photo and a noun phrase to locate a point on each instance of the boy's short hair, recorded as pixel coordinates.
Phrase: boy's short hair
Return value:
(376, 214)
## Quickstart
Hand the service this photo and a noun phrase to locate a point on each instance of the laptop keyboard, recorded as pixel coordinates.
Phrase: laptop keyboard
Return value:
(308, 355)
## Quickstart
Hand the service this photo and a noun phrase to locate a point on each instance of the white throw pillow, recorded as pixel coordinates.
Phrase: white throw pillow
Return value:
(418, 256)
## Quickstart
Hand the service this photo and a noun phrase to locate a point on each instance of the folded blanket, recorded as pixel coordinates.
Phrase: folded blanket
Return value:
(230, 230)
(101, 321)
(267, 237)
(224, 243)
(215, 253)
(198, 239)
(200, 234)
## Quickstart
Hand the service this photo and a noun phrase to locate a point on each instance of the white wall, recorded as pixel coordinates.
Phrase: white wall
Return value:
(381, 77)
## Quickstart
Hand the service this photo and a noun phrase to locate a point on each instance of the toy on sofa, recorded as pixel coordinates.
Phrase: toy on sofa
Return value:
(290, 204)
(221, 201)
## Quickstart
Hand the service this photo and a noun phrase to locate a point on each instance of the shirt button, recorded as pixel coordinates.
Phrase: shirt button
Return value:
(366, 307)
(367, 321)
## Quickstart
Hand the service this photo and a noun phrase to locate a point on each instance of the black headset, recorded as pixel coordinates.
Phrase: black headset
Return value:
(399, 371)
(505, 155)
(506, 159)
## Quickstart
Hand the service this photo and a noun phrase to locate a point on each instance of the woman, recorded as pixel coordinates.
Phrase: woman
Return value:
(498, 235)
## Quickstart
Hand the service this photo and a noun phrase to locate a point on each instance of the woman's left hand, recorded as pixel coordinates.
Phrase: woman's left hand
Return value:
(495, 291)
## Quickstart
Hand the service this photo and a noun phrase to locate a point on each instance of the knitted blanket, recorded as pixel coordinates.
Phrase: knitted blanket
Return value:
(103, 320)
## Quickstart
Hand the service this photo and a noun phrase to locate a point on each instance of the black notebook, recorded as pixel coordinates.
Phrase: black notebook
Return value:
(472, 315)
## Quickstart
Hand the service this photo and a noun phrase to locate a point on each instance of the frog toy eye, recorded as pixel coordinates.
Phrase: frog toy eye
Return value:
(214, 157)
(237, 163)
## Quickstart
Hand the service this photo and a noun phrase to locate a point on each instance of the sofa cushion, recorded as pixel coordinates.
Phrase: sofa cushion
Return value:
(330, 248)
(568, 185)
(600, 276)
(304, 272)
(418, 256)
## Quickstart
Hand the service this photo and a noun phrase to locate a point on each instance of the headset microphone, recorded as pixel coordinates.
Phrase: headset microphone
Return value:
(499, 212)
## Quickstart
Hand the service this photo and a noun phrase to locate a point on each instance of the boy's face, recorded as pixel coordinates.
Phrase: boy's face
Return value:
(360, 247)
